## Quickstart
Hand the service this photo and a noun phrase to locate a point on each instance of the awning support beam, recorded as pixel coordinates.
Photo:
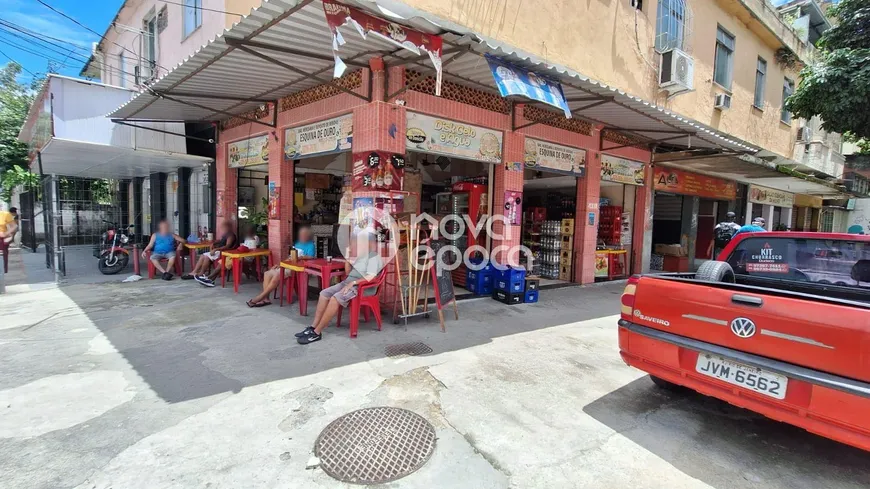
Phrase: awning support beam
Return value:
(650, 142)
(295, 52)
(303, 73)
(212, 109)
(514, 127)
(172, 133)
(216, 97)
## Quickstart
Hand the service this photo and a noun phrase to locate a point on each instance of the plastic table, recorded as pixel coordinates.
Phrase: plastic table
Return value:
(237, 265)
(297, 273)
(193, 247)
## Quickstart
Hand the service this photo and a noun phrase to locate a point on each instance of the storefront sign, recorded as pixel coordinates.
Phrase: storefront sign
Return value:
(338, 15)
(549, 156)
(513, 80)
(620, 170)
(319, 138)
(378, 170)
(814, 201)
(249, 152)
(686, 183)
(769, 196)
(451, 138)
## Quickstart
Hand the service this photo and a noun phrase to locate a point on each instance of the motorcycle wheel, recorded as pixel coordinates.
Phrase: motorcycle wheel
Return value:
(109, 266)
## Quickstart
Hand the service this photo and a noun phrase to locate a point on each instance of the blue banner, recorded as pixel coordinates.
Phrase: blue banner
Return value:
(513, 80)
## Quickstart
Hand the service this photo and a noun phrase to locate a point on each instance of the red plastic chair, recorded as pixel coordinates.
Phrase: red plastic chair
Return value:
(373, 302)
(152, 270)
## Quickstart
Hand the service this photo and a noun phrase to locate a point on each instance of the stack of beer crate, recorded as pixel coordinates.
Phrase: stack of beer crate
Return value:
(566, 259)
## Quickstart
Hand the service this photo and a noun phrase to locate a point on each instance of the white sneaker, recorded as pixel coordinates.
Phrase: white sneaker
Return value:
(204, 280)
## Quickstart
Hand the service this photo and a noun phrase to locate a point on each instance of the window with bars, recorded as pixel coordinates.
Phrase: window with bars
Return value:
(760, 77)
(723, 63)
(671, 25)
(827, 221)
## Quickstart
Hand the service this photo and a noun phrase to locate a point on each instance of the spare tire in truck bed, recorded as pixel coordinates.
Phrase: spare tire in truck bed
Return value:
(715, 271)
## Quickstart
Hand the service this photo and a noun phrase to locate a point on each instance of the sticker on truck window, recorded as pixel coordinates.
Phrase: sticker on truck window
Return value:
(767, 260)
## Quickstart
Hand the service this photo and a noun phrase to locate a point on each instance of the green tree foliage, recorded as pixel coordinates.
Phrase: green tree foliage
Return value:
(14, 177)
(837, 87)
(15, 100)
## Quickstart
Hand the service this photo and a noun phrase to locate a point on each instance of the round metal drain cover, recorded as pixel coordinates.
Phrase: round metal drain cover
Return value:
(407, 349)
(375, 445)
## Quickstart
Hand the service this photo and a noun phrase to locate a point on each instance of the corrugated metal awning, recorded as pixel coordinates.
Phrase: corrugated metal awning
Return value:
(241, 70)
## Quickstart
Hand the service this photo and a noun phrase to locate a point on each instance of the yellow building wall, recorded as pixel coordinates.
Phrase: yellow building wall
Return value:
(610, 41)
(239, 7)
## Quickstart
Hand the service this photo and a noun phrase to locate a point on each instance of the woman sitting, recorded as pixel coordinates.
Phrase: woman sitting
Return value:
(272, 278)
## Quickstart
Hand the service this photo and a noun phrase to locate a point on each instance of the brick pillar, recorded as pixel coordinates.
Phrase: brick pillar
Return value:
(585, 234)
(371, 128)
(281, 172)
(642, 224)
(503, 180)
(227, 187)
(378, 78)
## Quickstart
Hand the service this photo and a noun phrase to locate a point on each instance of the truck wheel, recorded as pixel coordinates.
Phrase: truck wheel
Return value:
(664, 384)
(715, 271)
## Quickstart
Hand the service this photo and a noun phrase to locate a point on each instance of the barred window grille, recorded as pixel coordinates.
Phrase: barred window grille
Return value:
(673, 25)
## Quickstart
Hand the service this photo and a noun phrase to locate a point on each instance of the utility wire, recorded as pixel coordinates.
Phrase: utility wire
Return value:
(19, 64)
(61, 63)
(102, 37)
(3, 29)
(41, 36)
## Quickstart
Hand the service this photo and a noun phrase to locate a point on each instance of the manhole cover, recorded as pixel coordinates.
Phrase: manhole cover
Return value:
(375, 445)
(409, 349)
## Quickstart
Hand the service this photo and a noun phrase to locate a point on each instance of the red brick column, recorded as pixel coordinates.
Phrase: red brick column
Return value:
(281, 172)
(513, 150)
(372, 128)
(642, 219)
(585, 234)
(226, 185)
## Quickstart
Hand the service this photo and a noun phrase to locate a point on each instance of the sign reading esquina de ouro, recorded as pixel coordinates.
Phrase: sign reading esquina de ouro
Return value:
(551, 156)
(319, 138)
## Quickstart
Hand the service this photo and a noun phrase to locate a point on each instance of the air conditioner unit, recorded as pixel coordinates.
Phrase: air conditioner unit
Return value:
(677, 71)
(722, 101)
(805, 134)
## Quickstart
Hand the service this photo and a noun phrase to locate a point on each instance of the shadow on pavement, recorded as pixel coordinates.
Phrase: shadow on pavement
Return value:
(187, 341)
(689, 430)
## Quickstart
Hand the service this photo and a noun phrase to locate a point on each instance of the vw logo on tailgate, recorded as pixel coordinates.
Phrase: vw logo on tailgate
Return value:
(743, 327)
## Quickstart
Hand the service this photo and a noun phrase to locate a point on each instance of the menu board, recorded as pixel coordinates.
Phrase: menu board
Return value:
(442, 279)
(687, 183)
(621, 170)
(551, 156)
(450, 138)
(249, 152)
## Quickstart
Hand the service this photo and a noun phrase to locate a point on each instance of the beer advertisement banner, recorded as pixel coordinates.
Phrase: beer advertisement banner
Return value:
(621, 170)
(378, 170)
(450, 138)
(249, 152)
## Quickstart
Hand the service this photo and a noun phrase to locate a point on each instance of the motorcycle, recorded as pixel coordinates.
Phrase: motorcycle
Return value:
(113, 253)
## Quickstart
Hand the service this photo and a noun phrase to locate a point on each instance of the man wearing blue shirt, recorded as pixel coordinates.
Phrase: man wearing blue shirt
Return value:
(757, 226)
(272, 278)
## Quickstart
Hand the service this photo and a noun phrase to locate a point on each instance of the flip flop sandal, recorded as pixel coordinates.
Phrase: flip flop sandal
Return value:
(261, 304)
(250, 304)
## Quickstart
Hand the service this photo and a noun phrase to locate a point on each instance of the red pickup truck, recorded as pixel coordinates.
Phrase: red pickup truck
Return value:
(779, 324)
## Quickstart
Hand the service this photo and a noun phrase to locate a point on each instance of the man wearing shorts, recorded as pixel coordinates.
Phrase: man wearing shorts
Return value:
(227, 242)
(163, 247)
(364, 268)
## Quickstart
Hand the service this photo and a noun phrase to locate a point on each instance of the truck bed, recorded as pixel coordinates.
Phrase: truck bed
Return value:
(824, 328)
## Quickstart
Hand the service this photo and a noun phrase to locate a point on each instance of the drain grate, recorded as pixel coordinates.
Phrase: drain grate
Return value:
(407, 349)
(375, 445)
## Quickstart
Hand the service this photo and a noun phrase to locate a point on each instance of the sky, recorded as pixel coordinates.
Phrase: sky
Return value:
(68, 37)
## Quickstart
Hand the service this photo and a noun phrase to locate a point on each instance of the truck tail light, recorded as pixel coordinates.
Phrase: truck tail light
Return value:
(628, 297)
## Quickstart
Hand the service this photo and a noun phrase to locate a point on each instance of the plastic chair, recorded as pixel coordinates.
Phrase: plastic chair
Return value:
(152, 270)
(373, 302)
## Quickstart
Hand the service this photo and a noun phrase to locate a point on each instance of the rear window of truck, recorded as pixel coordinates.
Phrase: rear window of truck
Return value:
(821, 261)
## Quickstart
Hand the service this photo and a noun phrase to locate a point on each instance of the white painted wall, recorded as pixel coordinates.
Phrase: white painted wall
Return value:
(860, 216)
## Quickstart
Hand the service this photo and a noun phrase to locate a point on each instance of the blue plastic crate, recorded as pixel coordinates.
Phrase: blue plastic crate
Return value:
(530, 297)
(510, 285)
(478, 282)
(510, 274)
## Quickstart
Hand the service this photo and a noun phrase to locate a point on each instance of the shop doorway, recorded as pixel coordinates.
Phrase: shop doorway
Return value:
(318, 186)
(549, 212)
(448, 186)
(613, 251)
(252, 201)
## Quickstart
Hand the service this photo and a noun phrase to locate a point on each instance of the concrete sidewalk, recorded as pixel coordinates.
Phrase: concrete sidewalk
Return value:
(161, 384)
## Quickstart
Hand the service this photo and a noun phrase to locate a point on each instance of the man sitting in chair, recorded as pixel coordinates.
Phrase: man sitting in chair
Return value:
(272, 278)
(361, 267)
(164, 245)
